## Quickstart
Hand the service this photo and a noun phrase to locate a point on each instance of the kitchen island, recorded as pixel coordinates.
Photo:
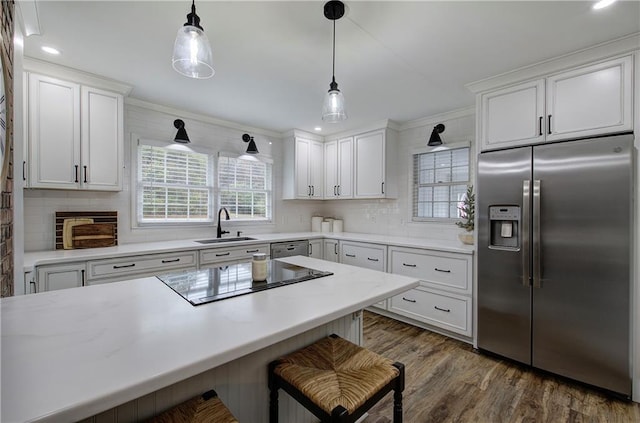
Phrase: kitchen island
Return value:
(132, 348)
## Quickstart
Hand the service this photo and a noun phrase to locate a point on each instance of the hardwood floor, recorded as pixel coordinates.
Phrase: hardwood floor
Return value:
(446, 381)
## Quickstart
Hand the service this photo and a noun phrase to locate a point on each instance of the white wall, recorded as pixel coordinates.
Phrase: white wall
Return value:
(156, 122)
(393, 217)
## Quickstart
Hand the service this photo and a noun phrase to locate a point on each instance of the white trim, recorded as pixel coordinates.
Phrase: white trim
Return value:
(28, 17)
(439, 118)
(258, 157)
(293, 133)
(199, 117)
(74, 75)
(598, 52)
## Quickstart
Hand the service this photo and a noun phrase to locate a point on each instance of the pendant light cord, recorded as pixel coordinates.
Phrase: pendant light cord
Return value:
(333, 70)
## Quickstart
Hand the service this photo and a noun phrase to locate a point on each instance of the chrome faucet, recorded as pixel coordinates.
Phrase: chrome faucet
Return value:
(220, 231)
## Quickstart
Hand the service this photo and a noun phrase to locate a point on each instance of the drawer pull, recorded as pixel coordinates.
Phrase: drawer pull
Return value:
(407, 299)
(171, 261)
(291, 248)
(446, 310)
(409, 265)
(252, 251)
(349, 255)
(372, 259)
(124, 266)
(442, 270)
(222, 254)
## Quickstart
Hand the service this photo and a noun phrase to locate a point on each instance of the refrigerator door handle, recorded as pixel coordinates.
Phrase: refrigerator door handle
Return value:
(537, 268)
(526, 207)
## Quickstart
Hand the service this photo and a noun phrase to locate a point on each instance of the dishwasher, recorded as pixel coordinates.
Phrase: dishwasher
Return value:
(290, 248)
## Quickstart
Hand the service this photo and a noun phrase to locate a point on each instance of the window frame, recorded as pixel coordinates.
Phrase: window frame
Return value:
(271, 192)
(411, 194)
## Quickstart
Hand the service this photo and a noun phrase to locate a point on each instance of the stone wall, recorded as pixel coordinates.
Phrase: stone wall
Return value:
(6, 199)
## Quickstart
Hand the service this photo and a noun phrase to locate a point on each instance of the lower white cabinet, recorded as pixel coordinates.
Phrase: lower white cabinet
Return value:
(59, 276)
(331, 250)
(370, 256)
(111, 270)
(315, 248)
(444, 297)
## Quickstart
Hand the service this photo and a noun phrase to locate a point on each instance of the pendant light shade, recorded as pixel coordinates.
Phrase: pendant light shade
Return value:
(251, 148)
(435, 139)
(192, 51)
(181, 135)
(333, 109)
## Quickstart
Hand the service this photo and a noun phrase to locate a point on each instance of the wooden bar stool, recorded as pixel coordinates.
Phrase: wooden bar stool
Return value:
(336, 380)
(206, 408)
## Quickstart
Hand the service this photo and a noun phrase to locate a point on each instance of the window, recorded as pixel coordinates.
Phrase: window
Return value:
(244, 187)
(174, 184)
(440, 180)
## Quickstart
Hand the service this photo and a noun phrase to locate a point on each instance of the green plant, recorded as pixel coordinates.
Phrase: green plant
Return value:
(468, 210)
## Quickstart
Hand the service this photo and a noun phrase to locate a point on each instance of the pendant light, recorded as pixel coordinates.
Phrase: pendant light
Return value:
(333, 108)
(192, 51)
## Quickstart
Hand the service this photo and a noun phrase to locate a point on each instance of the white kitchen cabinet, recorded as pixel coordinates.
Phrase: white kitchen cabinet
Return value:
(303, 168)
(316, 248)
(59, 276)
(374, 165)
(230, 254)
(111, 270)
(581, 102)
(74, 135)
(338, 168)
(331, 250)
(370, 256)
(444, 297)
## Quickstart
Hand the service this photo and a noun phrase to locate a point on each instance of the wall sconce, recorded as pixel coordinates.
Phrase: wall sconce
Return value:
(435, 135)
(251, 148)
(181, 135)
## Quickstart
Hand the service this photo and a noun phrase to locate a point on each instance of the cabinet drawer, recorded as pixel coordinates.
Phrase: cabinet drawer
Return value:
(156, 263)
(216, 255)
(447, 311)
(443, 271)
(370, 257)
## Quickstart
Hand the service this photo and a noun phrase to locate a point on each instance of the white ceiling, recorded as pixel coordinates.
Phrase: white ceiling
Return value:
(395, 60)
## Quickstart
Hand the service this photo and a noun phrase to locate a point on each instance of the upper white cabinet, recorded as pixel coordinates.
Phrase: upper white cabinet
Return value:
(374, 159)
(74, 135)
(303, 168)
(338, 168)
(584, 101)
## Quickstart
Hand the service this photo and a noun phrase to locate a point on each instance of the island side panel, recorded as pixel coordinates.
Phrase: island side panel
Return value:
(241, 384)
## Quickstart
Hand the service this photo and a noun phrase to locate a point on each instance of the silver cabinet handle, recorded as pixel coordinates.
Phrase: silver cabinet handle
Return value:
(446, 310)
(441, 270)
(526, 208)
(372, 259)
(171, 261)
(222, 254)
(408, 300)
(349, 255)
(409, 265)
(537, 268)
(124, 266)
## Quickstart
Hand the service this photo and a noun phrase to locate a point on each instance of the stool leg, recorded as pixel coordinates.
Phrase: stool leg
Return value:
(273, 393)
(397, 394)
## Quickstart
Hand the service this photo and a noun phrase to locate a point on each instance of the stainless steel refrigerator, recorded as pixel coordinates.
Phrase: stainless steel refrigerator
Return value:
(554, 257)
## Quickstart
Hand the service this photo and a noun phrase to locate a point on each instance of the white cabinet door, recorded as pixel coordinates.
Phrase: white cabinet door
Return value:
(54, 133)
(302, 185)
(345, 168)
(316, 169)
(315, 249)
(54, 277)
(331, 250)
(369, 151)
(370, 256)
(513, 115)
(591, 100)
(102, 140)
(331, 169)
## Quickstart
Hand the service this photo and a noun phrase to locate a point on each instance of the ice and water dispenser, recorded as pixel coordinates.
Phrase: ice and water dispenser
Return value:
(505, 227)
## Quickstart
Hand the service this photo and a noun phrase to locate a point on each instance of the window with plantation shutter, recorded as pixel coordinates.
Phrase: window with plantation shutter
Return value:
(174, 185)
(244, 188)
(440, 180)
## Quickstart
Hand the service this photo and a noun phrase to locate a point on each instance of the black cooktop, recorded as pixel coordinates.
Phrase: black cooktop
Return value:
(217, 283)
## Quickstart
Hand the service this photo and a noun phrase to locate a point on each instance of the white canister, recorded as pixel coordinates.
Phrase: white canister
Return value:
(337, 225)
(259, 267)
(326, 226)
(316, 223)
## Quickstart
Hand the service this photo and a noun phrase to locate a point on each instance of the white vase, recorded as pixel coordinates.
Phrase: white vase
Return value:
(466, 238)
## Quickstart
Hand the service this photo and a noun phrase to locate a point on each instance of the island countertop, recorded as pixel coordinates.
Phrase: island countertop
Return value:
(73, 353)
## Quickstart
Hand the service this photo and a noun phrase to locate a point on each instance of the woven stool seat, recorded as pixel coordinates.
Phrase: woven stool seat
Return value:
(205, 408)
(336, 379)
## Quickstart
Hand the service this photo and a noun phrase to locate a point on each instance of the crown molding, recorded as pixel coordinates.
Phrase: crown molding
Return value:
(439, 118)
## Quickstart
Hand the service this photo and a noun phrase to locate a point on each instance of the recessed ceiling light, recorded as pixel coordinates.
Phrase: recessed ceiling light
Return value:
(50, 50)
(317, 128)
(603, 3)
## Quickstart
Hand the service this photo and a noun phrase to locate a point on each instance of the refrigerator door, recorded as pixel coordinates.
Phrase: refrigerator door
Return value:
(581, 308)
(504, 292)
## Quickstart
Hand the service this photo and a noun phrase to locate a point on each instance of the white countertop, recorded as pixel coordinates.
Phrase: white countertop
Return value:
(72, 353)
(33, 259)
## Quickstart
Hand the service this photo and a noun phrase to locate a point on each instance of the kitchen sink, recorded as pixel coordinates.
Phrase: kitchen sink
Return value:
(218, 240)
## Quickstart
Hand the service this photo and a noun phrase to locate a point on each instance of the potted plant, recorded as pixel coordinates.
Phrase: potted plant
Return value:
(468, 214)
